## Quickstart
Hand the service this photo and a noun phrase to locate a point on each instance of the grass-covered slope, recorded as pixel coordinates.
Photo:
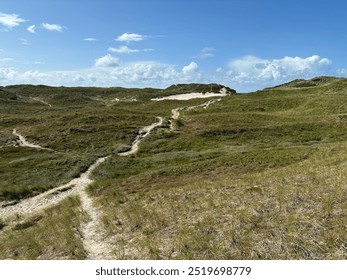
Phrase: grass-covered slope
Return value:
(254, 176)
(260, 175)
(79, 124)
(188, 88)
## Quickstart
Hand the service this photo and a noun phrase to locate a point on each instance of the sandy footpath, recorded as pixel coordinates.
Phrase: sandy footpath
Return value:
(94, 238)
(24, 143)
(95, 241)
(144, 132)
(175, 113)
(51, 197)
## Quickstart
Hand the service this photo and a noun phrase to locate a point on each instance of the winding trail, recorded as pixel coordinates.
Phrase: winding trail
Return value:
(144, 132)
(51, 197)
(42, 101)
(175, 113)
(95, 241)
(22, 142)
(94, 238)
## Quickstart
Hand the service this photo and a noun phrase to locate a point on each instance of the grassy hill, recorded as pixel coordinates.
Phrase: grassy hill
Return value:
(254, 176)
(318, 81)
(188, 88)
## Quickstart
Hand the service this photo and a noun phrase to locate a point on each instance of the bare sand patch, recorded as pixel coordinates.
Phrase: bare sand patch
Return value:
(193, 95)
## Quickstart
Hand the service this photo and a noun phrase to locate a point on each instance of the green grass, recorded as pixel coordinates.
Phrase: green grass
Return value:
(26, 172)
(81, 125)
(255, 176)
(53, 234)
(293, 212)
(273, 133)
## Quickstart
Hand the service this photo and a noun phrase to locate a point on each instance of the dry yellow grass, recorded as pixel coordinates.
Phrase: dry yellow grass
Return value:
(293, 212)
(254, 176)
(51, 234)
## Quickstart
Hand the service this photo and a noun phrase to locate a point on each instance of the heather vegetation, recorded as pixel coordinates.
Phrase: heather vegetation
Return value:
(254, 176)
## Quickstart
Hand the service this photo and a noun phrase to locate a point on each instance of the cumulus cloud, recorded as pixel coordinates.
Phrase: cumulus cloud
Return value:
(191, 74)
(31, 28)
(206, 53)
(244, 74)
(52, 27)
(140, 74)
(10, 20)
(108, 72)
(252, 72)
(123, 49)
(190, 68)
(130, 37)
(107, 61)
(90, 39)
(278, 69)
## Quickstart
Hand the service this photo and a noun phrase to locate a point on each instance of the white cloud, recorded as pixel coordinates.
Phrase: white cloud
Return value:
(24, 42)
(52, 27)
(126, 50)
(190, 68)
(206, 53)
(107, 61)
(123, 49)
(140, 74)
(342, 72)
(90, 39)
(6, 59)
(250, 72)
(277, 69)
(130, 37)
(106, 74)
(31, 28)
(10, 20)
(244, 74)
(191, 74)
(220, 70)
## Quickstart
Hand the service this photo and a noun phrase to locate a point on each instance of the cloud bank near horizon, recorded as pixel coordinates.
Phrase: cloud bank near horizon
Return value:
(252, 72)
(244, 74)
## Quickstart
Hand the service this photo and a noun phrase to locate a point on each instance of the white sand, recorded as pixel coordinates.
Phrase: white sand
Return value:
(188, 96)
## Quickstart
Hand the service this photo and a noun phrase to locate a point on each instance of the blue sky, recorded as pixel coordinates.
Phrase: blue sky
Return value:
(244, 44)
